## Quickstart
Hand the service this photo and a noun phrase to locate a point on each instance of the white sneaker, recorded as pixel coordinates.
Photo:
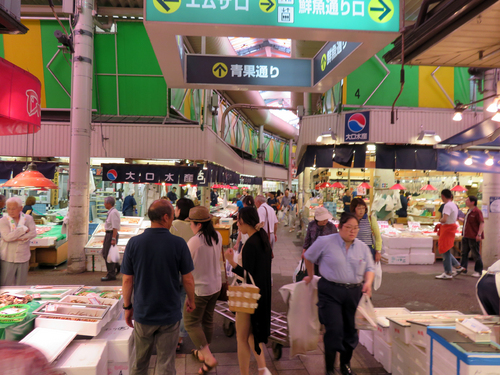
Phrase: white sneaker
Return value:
(444, 276)
(476, 274)
(264, 371)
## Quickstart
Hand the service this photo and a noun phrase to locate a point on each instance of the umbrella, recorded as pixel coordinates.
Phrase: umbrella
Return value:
(338, 185)
(365, 185)
(398, 186)
(459, 188)
(428, 187)
(323, 185)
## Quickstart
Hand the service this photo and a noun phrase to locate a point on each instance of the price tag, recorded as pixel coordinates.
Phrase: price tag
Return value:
(90, 295)
(414, 226)
(94, 301)
(51, 308)
(37, 296)
(383, 224)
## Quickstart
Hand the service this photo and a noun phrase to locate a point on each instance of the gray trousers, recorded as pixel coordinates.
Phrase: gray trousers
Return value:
(14, 273)
(166, 344)
(111, 267)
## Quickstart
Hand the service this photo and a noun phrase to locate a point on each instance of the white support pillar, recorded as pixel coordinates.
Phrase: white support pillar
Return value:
(290, 167)
(263, 154)
(81, 116)
(491, 187)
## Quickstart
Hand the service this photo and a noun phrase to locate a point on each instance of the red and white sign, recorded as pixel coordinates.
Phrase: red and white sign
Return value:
(20, 94)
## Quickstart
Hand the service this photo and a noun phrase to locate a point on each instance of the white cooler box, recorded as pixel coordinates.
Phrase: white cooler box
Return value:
(366, 339)
(397, 259)
(391, 251)
(84, 357)
(120, 338)
(422, 258)
(382, 353)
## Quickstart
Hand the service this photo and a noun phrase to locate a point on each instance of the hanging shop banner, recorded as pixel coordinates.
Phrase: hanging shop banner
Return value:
(357, 127)
(454, 161)
(256, 71)
(141, 173)
(20, 94)
(330, 56)
(406, 157)
(364, 15)
(12, 169)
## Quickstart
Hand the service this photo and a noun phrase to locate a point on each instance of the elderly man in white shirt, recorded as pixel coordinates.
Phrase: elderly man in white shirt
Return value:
(16, 229)
(268, 218)
(112, 226)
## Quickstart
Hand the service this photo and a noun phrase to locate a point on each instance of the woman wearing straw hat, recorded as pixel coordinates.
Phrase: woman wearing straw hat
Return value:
(252, 331)
(206, 250)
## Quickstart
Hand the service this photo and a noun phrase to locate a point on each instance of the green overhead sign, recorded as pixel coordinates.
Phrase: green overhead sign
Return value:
(364, 15)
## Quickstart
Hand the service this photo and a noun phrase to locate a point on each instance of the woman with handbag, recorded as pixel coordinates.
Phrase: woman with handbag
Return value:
(206, 250)
(369, 232)
(252, 331)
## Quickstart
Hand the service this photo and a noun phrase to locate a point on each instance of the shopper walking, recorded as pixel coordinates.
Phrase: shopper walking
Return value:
(347, 269)
(248, 201)
(129, 204)
(182, 228)
(112, 226)
(272, 201)
(472, 234)
(16, 230)
(369, 232)
(320, 226)
(446, 231)
(268, 219)
(285, 207)
(206, 250)
(151, 266)
(252, 331)
(293, 213)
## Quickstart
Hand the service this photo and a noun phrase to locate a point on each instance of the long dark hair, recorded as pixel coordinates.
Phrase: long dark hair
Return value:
(208, 232)
(184, 205)
(250, 216)
(249, 201)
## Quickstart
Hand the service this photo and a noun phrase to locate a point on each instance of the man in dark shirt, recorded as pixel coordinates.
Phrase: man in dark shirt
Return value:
(272, 201)
(472, 234)
(403, 211)
(172, 196)
(151, 266)
(346, 199)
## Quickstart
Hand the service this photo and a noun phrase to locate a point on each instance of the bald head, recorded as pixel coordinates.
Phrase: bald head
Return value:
(161, 211)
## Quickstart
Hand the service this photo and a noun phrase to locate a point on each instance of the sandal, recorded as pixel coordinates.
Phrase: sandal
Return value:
(196, 354)
(208, 368)
(179, 346)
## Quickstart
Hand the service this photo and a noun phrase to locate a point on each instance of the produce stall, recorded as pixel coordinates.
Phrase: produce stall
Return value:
(49, 247)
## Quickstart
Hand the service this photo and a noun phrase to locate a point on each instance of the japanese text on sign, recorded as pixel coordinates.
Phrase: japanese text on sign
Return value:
(334, 51)
(254, 71)
(224, 4)
(356, 137)
(332, 7)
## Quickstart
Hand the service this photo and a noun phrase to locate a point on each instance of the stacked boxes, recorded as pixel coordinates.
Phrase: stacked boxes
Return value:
(331, 207)
(405, 250)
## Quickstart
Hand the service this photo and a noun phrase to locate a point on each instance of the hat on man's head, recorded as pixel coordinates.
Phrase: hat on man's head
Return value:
(199, 214)
(321, 214)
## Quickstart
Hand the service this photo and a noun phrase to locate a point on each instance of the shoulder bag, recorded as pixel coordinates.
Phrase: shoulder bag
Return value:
(224, 286)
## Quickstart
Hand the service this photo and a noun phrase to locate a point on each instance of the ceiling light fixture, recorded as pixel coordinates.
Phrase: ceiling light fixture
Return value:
(490, 161)
(459, 109)
(205, 166)
(468, 161)
(496, 117)
(427, 133)
(493, 107)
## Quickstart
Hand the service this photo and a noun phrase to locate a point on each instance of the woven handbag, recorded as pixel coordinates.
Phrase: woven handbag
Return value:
(243, 298)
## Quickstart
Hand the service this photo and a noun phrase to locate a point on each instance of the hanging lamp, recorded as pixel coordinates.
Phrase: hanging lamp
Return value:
(459, 188)
(338, 185)
(365, 185)
(30, 178)
(428, 187)
(397, 186)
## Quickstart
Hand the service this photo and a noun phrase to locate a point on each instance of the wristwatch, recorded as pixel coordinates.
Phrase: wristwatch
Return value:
(127, 307)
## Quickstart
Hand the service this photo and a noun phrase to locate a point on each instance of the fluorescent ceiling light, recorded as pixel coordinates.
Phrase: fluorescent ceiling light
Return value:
(493, 107)
(496, 117)
(371, 147)
(319, 139)
(99, 161)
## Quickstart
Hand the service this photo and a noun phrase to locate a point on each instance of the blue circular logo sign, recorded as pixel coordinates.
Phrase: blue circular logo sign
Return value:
(356, 123)
(112, 175)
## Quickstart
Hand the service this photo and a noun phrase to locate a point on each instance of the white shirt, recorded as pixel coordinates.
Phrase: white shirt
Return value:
(269, 217)
(112, 220)
(451, 210)
(207, 265)
(12, 250)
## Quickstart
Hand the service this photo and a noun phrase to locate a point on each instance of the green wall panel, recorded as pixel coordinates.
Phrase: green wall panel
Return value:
(462, 85)
(135, 53)
(1, 46)
(104, 53)
(362, 82)
(107, 94)
(142, 96)
(61, 66)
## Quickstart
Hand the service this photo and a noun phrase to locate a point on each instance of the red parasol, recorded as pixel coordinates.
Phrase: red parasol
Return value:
(428, 187)
(459, 188)
(323, 185)
(398, 186)
(365, 185)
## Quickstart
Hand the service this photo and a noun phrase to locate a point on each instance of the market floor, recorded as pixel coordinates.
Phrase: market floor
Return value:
(413, 287)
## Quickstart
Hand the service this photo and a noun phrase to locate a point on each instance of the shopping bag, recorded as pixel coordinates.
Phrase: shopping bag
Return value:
(225, 284)
(378, 276)
(365, 317)
(113, 255)
(243, 297)
(281, 214)
(300, 272)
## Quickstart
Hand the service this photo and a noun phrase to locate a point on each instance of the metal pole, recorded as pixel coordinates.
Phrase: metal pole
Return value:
(262, 154)
(81, 116)
(290, 167)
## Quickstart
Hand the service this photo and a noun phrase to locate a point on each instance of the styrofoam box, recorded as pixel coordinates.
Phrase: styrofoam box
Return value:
(384, 333)
(366, 339)
(422, 258)
(419, 250)
(478, 369)
(84, 357)
(391, 251)
(43, 241)
(397, 242)
(443, 361)
(419, 335)
(400, 360)
(119, 368)
(398, 259)
(383, 353)
(420, 360)
(120, 340)
(421, 242)
(400, 331)
(80, 327)
(90, 266)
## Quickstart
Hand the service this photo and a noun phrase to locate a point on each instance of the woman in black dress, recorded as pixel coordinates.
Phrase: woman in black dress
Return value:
(252, 331)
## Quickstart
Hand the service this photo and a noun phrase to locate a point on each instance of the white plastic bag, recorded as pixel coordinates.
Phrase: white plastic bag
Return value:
(113, 255)
(365, 317)
(378, 276)
(281, 214)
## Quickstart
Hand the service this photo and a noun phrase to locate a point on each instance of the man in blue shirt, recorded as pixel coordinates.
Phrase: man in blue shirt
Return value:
(151, 266)
(171, 195)
(129, 204)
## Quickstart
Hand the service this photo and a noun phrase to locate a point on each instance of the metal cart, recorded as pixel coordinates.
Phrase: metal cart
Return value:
(279, 327)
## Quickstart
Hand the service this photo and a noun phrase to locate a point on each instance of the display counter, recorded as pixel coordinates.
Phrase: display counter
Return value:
(49, 247)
